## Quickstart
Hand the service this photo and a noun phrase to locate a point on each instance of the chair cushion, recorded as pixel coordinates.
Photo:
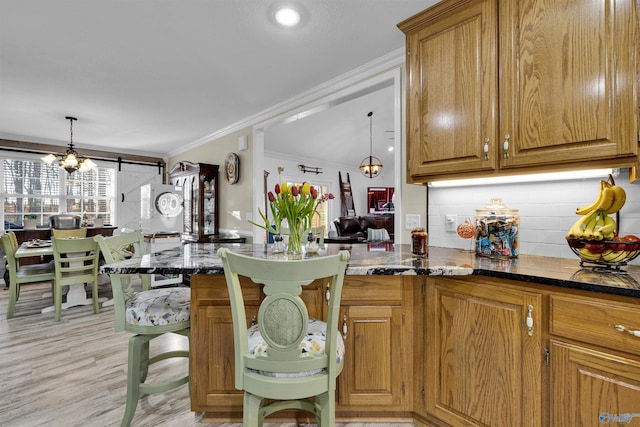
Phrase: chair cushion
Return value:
(159, 307)
(312, 344)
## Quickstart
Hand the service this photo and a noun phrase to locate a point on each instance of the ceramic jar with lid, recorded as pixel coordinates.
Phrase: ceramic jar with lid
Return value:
(497, 230)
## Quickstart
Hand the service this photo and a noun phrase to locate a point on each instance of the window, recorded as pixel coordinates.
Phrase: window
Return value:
(30, 187)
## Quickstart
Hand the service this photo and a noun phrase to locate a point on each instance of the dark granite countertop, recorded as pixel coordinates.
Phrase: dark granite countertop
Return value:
(390, 259)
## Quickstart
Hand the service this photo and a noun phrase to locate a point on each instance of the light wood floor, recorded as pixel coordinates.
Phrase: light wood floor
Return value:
(73, 372)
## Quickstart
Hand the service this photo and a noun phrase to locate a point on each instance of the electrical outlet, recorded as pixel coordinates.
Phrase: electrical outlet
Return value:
(411, 221)
(450, 222)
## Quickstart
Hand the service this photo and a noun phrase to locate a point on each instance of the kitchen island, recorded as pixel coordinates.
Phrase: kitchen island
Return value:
(441, 340)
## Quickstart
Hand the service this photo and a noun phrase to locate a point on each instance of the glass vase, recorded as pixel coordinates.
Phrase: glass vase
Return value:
(295, 243)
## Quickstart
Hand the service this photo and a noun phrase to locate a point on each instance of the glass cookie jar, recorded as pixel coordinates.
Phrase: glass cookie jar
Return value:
(497, 230)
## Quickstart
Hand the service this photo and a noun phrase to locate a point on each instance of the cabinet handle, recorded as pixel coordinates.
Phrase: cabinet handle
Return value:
(344, 326)
(634, 332)
(327, 294)
(505, 146)
(530, 320)
(253, 320)
(485, 149)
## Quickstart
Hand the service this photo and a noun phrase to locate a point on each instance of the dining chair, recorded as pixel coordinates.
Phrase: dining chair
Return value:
(148, 314)
(287, 357)
(69, 232)
(76, 263)
(21, 274)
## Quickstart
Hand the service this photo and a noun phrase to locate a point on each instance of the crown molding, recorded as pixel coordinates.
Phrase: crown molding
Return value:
(317, 95)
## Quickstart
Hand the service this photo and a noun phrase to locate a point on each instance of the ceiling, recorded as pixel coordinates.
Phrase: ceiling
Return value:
(153, 76)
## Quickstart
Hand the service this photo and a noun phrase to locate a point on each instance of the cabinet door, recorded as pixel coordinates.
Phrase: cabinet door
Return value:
(482, 366)
(372, 376)
(592, 388)
(212, 363)
(567, 72)
(452, 93)
(212, 358)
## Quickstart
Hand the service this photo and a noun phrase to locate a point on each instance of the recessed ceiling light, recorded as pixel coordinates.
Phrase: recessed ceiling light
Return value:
(287, 16)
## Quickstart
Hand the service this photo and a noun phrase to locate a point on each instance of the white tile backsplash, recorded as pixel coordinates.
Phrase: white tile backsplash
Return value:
(546, 209)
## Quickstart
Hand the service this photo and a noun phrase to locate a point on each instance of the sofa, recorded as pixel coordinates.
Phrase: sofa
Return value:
(360, 229)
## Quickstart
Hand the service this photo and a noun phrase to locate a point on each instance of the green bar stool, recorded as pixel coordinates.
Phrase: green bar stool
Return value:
(149, 314)
(287, 360)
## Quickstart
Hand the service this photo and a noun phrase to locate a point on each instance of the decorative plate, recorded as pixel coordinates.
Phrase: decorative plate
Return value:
(169, 204)
(231, 168)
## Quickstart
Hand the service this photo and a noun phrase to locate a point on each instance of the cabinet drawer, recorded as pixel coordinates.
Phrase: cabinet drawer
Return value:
(214, 288)
(372, 289)
(593, 321)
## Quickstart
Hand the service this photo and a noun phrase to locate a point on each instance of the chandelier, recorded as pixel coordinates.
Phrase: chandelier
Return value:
(370, 166)
(70, 161)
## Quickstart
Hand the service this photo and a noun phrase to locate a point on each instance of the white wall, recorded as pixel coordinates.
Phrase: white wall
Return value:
(547, 211)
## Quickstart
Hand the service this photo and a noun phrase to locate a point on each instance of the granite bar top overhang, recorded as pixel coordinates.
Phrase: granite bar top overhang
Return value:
(391, 259)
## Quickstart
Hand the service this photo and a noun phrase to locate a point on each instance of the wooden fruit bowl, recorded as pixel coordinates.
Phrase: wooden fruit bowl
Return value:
(607, 253)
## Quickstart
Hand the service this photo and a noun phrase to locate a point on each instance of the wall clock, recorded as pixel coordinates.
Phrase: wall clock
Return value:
(232, 168)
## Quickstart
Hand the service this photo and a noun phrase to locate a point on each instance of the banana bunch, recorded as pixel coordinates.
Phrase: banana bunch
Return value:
(596, 225)
(591, 252)
(594, 235)
(610, 200)
(611, 255)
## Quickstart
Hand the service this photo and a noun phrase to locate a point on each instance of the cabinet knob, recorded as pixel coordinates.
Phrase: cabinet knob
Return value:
(621, 328)
(529, 320)
(344, 326)
(505, 146)
(485, 149)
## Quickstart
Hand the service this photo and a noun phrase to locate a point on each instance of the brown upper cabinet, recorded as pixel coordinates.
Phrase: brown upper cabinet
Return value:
(508, 86)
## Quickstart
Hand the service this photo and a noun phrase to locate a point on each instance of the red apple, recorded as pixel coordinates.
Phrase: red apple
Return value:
(596, 248)
(620, 247)
(632, 238)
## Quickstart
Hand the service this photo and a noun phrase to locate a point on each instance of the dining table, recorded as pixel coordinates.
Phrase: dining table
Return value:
(77, 294)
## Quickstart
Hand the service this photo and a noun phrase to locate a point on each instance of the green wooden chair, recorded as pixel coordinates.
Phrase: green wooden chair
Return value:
(75, 261)
(69, 232)
(21, 274)
(148, 314)
(287, 360)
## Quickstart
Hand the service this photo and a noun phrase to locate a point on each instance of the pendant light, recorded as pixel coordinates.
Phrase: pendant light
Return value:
(371, 166)
(70, 161)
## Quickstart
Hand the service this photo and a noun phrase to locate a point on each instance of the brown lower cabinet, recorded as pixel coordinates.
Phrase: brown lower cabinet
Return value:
(376, 327)
(482, 352)
(448, 351)
(503, 353)
(594, 363)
